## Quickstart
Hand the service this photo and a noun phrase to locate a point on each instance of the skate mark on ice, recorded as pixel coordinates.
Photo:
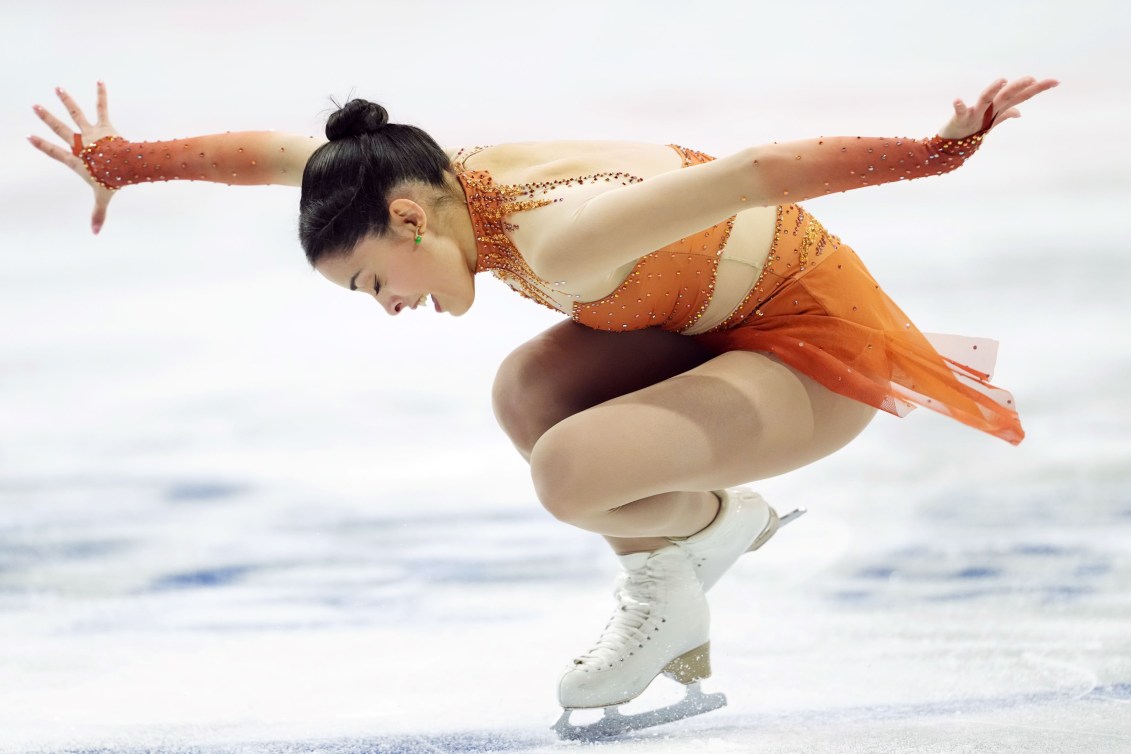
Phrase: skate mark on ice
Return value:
(719, 726)
(1114, 692)
(1039, 573)
(196, 491)
(124, 487)
(205, 578)
(945, 709)
(470, 742)
(17, 555)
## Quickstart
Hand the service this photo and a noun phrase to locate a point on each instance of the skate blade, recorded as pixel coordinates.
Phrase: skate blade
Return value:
(793, 515)
(776, 522)
(615, 724)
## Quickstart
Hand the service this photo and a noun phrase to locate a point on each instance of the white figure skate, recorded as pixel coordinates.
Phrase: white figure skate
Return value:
(661, 625)
(745, 523)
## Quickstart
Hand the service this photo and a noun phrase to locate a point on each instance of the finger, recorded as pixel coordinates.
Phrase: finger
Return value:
(103, 108)
(73, 109)
(55, 152)
(991, 91)
(1043, 86)
(61, 129)
(988, 104)
(1034, 88)
(960, 109)
(1010, 92)
(1005, 115)
(1009, 104)
(98, 218)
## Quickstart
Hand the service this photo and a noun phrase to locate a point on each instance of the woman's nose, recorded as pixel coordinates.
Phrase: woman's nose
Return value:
(393, 306)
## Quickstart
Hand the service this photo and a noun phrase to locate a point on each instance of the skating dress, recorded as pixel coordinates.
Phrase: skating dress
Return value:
(814, 307)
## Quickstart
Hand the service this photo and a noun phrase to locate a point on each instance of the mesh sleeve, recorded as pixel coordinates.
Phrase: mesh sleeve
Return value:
(803, 170)
(247, 158)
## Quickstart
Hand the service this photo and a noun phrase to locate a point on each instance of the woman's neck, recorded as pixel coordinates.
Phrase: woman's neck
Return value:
(455, 222)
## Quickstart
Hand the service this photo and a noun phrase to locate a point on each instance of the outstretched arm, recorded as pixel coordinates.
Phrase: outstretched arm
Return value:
(107, 162)
(616, 227)
(796, 171)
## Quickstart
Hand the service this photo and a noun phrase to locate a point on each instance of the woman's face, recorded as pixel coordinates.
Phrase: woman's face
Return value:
(402, 274)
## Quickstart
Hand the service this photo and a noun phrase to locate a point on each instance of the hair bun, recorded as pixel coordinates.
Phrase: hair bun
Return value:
(356, 117)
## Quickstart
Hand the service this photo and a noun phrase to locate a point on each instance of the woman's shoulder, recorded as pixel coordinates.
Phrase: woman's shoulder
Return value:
(531, 162)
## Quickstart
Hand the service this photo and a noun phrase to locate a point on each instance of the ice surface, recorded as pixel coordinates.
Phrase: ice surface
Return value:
(240, 511)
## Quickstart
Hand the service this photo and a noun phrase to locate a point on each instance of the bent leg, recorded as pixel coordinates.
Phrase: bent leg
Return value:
(640, 464)
(569, 368)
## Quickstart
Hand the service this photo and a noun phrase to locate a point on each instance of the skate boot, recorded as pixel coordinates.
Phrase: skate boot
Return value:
(660, 625)
(745, 523)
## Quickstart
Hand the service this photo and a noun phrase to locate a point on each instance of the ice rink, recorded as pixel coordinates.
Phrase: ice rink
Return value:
(241, 511)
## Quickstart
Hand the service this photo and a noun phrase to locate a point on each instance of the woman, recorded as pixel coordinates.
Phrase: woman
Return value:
(718, 333)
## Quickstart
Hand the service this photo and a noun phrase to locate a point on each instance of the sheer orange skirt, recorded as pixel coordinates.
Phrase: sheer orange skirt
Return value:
(818, 309)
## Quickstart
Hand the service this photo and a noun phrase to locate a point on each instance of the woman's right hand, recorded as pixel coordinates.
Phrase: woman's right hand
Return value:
(996, 104)
(88, 134)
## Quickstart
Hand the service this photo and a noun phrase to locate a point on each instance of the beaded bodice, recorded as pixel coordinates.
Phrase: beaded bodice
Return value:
(669, 288)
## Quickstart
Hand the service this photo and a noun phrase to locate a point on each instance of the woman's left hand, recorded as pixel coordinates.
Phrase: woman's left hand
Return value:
(998, 103)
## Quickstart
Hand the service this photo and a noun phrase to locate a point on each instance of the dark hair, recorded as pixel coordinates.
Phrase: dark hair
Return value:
(346, 183)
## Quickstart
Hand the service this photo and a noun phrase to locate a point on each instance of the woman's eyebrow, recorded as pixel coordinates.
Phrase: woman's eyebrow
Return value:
(353, 281)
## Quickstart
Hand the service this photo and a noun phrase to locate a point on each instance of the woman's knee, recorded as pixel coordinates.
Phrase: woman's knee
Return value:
(523, 396)
(510, 400)
(558, 470)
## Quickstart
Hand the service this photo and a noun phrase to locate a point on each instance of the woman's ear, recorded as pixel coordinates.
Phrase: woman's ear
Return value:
(406, 217)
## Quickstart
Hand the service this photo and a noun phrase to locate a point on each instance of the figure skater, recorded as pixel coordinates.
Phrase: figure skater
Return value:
(717, 334)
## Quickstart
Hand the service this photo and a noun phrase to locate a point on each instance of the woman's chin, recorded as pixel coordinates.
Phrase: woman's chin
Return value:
(454, 308)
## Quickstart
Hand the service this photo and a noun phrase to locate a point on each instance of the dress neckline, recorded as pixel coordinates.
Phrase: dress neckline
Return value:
(491, 204)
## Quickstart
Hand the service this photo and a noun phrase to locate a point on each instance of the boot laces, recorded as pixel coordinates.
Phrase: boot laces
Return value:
(626, 630)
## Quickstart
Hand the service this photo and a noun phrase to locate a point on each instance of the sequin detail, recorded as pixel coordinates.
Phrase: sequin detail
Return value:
(114, 162)
(808, 242)
(848, 163)
(669, 288)
(490, 206)
(814, 307)
(691, 156)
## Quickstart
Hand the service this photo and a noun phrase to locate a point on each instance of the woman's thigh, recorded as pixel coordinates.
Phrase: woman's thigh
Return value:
(570, 368)
(737, 418)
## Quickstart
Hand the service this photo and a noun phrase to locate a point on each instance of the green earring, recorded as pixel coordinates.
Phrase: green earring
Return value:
(418, 239)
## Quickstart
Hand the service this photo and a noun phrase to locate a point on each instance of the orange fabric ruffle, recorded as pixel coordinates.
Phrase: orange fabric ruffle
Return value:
(818, 309)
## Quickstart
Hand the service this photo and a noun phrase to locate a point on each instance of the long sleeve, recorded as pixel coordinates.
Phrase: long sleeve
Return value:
(245, 158)
(619, 226)
(796, 171)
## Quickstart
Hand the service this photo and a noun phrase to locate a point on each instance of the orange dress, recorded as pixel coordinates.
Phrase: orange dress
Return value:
(814, 307)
